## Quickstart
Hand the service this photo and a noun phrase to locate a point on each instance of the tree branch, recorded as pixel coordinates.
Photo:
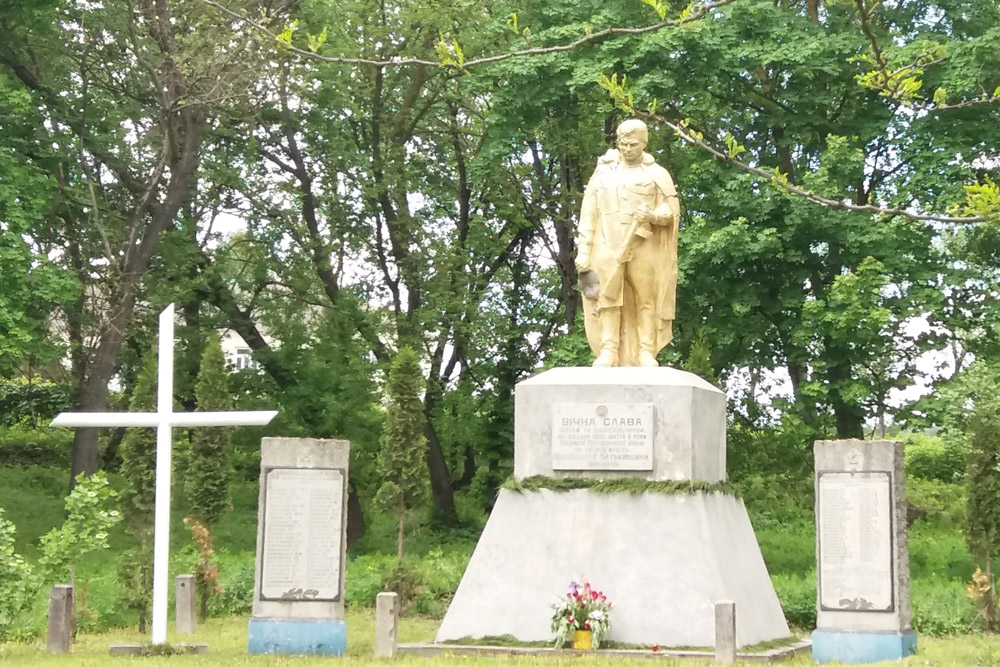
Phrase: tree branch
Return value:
(697, 13)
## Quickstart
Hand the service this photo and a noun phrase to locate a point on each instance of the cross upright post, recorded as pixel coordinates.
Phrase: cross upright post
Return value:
(164, 420)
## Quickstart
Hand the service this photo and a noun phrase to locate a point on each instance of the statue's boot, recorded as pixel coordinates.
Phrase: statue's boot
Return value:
(646, 323)
(610, 324)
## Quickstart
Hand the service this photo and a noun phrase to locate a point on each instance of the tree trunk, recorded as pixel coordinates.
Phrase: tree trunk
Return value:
(441, 490)
(203, 610)
(401, 512)
(849, 416)
(355, 516)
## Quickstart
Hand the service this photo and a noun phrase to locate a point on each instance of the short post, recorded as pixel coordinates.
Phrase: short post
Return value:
(184, 589)
(60, 619)
(386, 622)
(725, 632)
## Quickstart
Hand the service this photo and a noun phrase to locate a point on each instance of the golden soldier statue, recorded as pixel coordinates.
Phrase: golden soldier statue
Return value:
(627, 253)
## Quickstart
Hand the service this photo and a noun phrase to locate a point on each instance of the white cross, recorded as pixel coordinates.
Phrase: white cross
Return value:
(164, 419)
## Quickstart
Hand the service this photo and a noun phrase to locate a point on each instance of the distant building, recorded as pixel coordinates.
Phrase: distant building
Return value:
(238, 353)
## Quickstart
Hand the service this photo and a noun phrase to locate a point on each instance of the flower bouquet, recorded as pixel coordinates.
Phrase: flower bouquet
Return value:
(583, 608)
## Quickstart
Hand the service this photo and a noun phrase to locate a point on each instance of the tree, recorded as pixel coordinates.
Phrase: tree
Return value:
(699, 358)
(208, 470)
(138, 497)
(975, 398)
(126, 93)
(401, 460)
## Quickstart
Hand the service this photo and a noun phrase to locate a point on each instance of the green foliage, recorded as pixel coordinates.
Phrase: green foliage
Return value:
(631, 485)
(138, 452)
(983, 199)
(404, 578)
(89, 519)
(29, 402)
(699, 359)
(402, 460)
(775, 498)
(39, 447)
(16, 580)
(941, 607)
(135, 577)
(933, 458)
(936, 501)
(797, 595)
(237, 589)
(138, 497)
(208, 472)
(982, 518)
(975, 397)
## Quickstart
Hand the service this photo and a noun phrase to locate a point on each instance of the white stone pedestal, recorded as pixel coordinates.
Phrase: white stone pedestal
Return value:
(687, 434)
(664, 560)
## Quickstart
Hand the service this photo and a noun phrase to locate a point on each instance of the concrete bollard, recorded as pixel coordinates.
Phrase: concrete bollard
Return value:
(60, 619)
(725, 632)
(184, 589)
(386, 624)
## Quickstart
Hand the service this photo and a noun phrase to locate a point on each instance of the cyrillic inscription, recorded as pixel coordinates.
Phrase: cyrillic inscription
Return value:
(303, 518)
(855, 541)
(602, 436)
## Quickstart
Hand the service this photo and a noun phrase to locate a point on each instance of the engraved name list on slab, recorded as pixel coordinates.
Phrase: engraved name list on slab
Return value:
(303, 513)
(602, 436)
(855, 541)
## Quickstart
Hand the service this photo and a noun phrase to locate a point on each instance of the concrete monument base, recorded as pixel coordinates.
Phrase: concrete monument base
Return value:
(856, 647)
(297, 636)
(663, 561)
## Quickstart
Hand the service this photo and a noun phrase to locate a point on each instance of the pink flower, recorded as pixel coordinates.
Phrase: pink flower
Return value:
(586, 626)
(570, 619)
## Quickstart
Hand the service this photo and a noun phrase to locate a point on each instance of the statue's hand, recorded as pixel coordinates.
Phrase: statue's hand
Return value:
(644, 215)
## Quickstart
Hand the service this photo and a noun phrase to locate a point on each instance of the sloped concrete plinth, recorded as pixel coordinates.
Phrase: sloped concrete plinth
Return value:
(663, 560)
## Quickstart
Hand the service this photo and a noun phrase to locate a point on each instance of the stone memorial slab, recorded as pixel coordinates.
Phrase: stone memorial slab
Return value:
(602, 436)
(855, 541)
(863, 571)
(682, 435)
(298, 606)
(301, 554)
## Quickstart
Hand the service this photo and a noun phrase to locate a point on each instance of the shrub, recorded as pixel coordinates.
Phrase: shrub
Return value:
(936, 500)
(933, 458)
(797, 595)
(29, 403)
(364, 579)
(941, 607)
(42, 446)
(237, 589)
(16, 580)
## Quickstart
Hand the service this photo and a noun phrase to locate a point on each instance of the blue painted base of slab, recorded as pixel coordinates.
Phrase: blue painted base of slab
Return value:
(298, 636)
(857, 646)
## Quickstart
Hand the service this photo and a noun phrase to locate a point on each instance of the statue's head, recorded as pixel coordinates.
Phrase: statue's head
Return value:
(632, 139)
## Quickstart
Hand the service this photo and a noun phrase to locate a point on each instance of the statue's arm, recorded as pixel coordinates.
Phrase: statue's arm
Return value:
(589, 213)
(668, 204)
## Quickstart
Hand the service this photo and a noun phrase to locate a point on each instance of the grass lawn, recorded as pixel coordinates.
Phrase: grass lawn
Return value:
(227, 640)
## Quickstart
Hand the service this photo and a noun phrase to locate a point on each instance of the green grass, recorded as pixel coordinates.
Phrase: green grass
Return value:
(226, 639)
(781, 513)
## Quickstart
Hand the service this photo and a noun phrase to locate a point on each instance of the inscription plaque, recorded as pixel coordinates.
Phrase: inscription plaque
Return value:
(602, 436)
(855, 541)
(303, 521)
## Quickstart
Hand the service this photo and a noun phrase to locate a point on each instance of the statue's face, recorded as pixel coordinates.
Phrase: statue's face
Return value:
(630, 147)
